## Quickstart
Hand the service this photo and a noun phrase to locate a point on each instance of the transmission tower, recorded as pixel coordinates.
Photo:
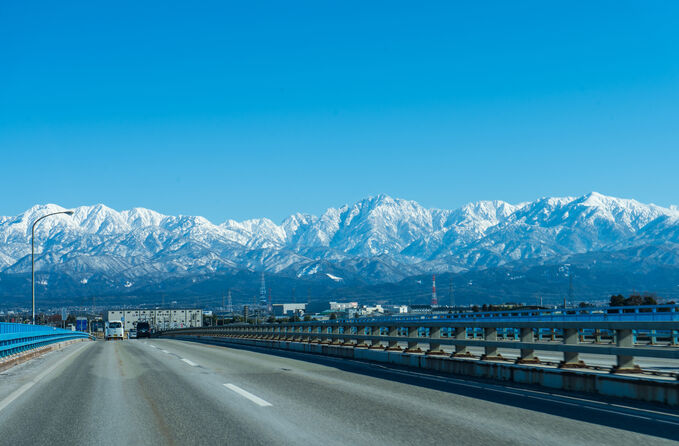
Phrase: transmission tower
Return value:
(229, 307)
(262, 292)
(434, 299)
(450, 292)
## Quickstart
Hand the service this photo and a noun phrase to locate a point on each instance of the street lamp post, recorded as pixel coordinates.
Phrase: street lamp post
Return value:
(33, 254)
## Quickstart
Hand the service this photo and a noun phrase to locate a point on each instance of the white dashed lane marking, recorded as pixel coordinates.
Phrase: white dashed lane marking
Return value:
(255, 399)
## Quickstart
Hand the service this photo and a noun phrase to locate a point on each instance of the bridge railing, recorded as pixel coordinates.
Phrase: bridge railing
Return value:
(19, 338)
(620, 332)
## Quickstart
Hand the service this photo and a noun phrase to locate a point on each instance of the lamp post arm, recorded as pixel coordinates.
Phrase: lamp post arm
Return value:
(33, 255)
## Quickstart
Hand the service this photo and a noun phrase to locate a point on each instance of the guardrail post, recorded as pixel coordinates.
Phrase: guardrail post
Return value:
(434, 347)
(360, 331)
(376, 344)
(461, 351)
(490, 352)
(324, 334)
(393, 344)
(412, 344)
(625, 363)
(314, 339)
(527, 354)
(571, 359)
(347, 336)
(336, 332)
(675, 338)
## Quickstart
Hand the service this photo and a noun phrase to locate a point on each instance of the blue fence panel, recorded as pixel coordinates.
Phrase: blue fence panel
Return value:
(16, 338)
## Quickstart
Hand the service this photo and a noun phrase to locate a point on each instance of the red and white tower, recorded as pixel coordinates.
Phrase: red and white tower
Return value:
(434, 300)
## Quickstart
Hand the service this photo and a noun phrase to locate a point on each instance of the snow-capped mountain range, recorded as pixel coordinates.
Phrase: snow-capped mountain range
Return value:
(378, 239)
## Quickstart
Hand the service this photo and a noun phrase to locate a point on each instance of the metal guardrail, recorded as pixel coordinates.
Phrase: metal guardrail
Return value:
(18, 338)
(622, 332)
(650, 313)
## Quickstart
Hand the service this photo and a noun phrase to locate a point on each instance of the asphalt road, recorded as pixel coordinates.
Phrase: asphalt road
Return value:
(170, 392)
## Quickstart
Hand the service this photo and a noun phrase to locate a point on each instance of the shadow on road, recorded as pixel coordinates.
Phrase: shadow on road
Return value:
(634, 417)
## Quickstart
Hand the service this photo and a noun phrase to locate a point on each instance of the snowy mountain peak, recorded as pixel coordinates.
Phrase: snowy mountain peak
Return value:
(379, 236)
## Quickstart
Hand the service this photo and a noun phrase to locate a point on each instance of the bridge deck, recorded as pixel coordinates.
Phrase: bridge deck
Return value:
(174, 392)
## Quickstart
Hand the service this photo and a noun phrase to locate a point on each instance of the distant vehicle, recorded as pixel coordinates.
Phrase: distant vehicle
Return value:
(114, 330)
(97, 325)
(70, 327)
(132, 334)
(143, 330)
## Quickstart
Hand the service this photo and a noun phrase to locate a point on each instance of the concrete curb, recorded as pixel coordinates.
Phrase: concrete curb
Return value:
(10, 361)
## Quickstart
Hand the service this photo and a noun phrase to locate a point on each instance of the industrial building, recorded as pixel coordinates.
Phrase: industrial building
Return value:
(158, 319)
(288, 309)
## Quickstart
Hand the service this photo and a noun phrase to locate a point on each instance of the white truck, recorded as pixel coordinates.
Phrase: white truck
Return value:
(114, 330)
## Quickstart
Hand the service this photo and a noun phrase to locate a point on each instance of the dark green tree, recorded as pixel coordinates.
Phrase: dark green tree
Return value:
(634, 300)
(617, 301)
(649, 300)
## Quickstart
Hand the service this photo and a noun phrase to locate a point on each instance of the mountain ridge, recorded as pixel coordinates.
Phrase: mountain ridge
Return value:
(375, 240)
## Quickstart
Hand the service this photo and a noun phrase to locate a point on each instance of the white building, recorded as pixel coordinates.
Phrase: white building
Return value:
(367, 310)
(343, 306)
(158, 319)
(288, 309)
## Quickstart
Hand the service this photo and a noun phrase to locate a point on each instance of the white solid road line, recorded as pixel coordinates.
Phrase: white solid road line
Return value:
(255, 399)
(165, 351)
(21, 390)
(191, 363)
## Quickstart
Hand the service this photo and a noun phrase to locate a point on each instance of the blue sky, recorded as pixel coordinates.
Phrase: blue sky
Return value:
(248, 109)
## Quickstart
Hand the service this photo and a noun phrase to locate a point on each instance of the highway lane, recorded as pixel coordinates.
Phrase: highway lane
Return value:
(174, 392)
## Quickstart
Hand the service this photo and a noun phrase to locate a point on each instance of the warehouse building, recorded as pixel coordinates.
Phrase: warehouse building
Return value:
(288, 309)
(158, 319)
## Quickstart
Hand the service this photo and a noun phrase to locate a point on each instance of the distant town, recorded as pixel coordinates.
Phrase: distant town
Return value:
(93, 318)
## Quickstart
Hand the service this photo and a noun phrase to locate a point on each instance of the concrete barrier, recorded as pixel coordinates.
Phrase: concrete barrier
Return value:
(18, 358)
(662, 391)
